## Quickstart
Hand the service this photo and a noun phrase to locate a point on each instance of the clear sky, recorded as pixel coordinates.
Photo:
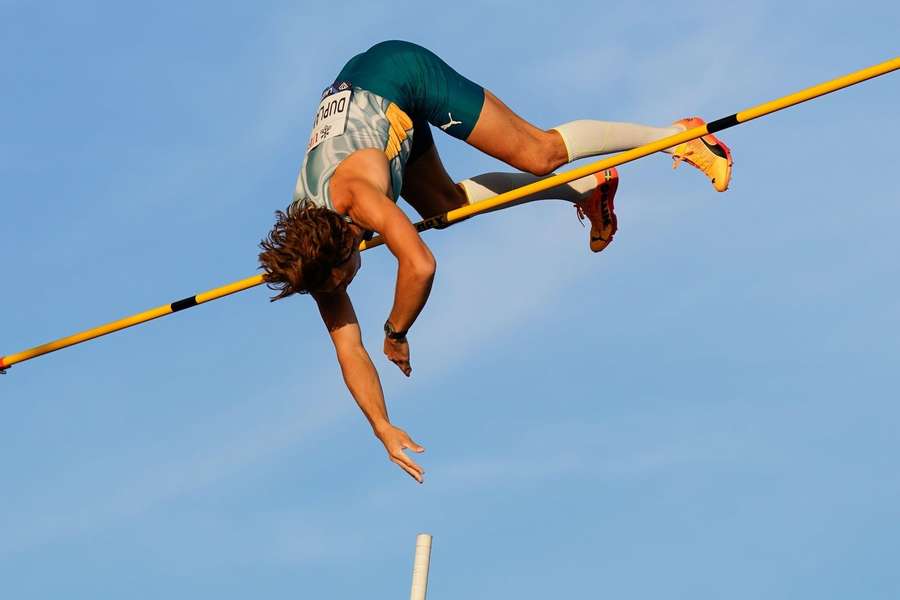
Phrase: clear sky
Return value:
(708, 409)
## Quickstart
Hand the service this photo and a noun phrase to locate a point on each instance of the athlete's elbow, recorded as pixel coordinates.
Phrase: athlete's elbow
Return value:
(423, 267)
(350, 352)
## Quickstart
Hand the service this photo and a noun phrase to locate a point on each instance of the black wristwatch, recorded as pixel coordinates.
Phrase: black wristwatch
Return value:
(390, 333)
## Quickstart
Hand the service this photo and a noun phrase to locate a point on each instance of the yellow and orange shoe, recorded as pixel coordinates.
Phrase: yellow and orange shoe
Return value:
(707, 153)
(599, 208)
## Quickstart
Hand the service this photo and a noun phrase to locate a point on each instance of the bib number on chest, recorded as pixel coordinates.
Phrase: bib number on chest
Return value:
(331, 118)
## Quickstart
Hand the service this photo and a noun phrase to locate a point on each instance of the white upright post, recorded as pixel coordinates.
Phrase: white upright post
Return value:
(420, 567)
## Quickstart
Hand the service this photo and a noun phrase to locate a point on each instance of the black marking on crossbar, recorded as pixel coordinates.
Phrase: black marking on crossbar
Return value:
(723, 123)
(436, 222)
(185, 303)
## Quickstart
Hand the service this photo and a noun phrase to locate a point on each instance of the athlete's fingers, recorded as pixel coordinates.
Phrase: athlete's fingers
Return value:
(402, 457)
(404, 366)
(398, 353)
(414, 470)
(413, 446)
(408, 462)
(412, 473)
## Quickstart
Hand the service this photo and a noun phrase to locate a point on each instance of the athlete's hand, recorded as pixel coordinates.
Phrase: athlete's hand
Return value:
(397, 352)
(395, 440)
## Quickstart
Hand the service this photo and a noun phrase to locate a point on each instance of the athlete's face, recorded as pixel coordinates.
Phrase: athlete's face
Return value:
(343, 273)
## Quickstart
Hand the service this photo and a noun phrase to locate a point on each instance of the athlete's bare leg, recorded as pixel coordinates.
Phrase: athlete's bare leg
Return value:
(428, 188)
(505, 135)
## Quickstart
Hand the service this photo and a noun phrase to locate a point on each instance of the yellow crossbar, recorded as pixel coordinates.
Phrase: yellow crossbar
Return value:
(493, 203)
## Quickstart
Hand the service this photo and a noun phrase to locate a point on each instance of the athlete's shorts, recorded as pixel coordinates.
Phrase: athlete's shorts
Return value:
(420, 83)
(385, 98)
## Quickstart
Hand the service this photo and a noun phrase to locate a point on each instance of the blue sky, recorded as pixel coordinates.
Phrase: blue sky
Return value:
(706, 409)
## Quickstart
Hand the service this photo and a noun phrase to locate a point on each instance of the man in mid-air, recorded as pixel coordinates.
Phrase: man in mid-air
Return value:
(371, 143)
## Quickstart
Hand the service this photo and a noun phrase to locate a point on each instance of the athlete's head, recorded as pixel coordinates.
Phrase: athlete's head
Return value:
(310, 249)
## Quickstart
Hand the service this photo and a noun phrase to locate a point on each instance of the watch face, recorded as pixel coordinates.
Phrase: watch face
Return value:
(394, 335)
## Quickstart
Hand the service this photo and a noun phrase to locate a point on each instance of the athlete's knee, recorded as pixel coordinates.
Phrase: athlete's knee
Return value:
(424, 266)
(540, 166)
(459, 196)
(543, 156)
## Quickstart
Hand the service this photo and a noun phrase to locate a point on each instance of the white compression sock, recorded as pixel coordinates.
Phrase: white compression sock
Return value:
(590, 138)
(488, 185)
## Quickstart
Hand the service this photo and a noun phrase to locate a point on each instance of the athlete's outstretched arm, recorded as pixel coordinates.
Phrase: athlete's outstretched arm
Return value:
(362, 378)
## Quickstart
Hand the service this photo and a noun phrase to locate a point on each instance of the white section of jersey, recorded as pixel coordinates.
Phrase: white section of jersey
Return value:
(367, 127)
(331, 118)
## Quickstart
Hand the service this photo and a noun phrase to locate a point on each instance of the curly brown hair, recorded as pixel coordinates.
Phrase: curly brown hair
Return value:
(306, 242)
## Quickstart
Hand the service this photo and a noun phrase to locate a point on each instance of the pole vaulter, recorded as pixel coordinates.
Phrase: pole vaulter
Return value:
(497, 202)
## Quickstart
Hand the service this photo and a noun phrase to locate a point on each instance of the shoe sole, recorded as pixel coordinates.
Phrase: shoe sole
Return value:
(714, 145)
(609, 183)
